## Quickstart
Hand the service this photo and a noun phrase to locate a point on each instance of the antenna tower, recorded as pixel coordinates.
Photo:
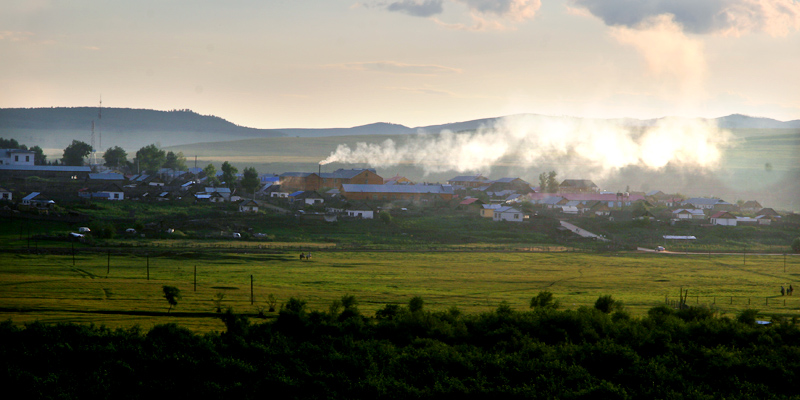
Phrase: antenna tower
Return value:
(99, 119)
(93, 159)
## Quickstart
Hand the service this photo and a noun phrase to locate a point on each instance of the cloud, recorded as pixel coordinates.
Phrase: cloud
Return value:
(16, 36)
(598, 147)
(417, 8)
(394, 67)
(668, 52)
(722, 17)
(484, 14)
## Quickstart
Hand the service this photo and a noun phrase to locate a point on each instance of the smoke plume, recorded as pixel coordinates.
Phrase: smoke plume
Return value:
(594, 148)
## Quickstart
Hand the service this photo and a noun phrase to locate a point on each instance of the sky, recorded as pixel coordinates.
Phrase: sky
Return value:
(340, 63)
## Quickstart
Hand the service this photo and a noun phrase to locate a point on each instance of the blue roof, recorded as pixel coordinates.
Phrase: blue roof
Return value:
(297, 193)
(107, 176)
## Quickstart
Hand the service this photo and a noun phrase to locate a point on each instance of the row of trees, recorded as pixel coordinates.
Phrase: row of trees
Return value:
(548, 182)
(407, 351)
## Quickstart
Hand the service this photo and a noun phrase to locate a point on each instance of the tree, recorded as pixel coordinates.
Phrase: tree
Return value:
(552, 184)
(75, 153)
(250, 180)
(607, 304)
(150, 158)
(229, 174)
(38, 155)
(796, 245)
(211, 174)
(172, 294)
(115, 157)
(175, 161)
(544, 300)
(385, 217)
(9, 144)
(543, 182)
(415, 304)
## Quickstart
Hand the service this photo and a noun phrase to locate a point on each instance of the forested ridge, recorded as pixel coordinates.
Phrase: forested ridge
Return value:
(409, 352)
(122, 120)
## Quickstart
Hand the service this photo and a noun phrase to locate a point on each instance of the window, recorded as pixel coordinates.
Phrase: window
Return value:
(16, 158)
(27, 158)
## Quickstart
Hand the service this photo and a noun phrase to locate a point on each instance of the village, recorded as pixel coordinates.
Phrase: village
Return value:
(360, 193)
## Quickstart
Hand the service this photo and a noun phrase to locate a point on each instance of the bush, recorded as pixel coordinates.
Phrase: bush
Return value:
(796, 245)
(544, 300)
(607, 304)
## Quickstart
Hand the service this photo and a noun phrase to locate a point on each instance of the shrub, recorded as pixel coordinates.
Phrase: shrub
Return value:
(796, 245)
(415, 304)
(607, 304)
(544, 300)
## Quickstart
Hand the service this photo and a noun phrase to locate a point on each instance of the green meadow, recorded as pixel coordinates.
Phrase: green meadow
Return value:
(116, 290)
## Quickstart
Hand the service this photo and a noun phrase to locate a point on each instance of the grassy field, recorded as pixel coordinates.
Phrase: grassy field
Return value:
(49, 288)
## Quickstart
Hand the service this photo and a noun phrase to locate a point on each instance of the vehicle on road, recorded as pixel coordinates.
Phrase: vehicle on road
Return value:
(660, 248)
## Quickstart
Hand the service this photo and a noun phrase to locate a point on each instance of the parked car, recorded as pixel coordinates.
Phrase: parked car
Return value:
(130, 230)
(660, 248)
(84, 229)
(237, 235)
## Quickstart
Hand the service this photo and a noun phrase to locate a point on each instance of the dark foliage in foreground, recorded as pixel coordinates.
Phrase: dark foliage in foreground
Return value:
(402, 354)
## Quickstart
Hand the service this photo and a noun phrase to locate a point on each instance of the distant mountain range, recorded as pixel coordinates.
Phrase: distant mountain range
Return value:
(187, 122)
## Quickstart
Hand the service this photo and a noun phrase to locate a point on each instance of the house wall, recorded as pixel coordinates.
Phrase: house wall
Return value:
(365, 214)
(723, 221)
(508, 216)
(295, 183)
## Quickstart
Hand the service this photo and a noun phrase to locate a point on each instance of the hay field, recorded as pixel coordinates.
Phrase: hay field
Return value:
(49, 288)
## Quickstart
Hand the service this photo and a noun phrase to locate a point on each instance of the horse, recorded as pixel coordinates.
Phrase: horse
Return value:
(302, 256)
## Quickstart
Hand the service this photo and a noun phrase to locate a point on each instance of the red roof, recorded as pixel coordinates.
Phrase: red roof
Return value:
(469, 201)
(723, 214)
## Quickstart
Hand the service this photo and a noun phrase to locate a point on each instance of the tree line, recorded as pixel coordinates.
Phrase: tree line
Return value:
(408, 351)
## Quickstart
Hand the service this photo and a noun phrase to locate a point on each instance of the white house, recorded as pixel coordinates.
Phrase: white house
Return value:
(360, 213)
(16, 157)
(508, 214)
(248, 206)
(723, 218)
(688, 214)
(5, 194)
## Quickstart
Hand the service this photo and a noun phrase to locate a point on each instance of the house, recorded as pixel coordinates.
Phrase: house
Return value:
(516, 185)
(398, 180)
(36, 200)
(471, 203)
(723, 218)
(577, 186)
(688, 214)
(300, 181)
(105, 177)
(111, 191)
(746, 221)
(248, 206)
(45, 171)
(308, 197)
(16, 157)
(469, 181)
(600, 209)
(360, 211)
(706, 203)
(768, 212)
(223, 191)
(487, 210)
(750, 206)
(417, 193)
(357, 176)
(5, 194)
(508, 214)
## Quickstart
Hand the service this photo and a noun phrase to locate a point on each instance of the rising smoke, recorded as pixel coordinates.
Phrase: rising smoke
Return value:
(596, 148)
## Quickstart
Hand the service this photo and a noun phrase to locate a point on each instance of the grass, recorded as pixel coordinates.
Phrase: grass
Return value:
(50, 289)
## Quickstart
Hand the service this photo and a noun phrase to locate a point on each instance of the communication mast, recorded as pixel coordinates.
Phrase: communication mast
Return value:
(93, 159)
(99, 119)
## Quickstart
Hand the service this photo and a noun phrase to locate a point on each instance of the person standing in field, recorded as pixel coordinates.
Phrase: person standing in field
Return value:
(782, 290)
